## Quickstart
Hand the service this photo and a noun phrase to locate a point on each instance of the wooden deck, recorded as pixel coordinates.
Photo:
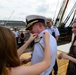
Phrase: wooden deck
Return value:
(62, 64)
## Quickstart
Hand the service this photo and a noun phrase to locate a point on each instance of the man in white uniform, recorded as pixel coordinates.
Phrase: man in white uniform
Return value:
(36, 24)
(16, 33)
(52, 29)
(55, 32)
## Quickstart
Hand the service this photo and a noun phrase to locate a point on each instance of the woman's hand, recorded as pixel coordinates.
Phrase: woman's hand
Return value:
(46, 36)
(32, 37)
(63, 55)
(25, 61)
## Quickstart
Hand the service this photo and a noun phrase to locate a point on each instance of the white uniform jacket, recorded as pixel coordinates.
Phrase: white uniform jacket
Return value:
(53, 29)
(38, 53)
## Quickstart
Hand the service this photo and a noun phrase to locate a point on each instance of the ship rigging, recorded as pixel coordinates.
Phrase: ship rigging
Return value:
(65, 26)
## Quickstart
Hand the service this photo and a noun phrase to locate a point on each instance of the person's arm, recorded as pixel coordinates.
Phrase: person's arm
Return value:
(20, 35)
(71, 59)
(65, 56)
(40, 67)
(22, 48)
(24, 61)
(57, 37)
(57, 34)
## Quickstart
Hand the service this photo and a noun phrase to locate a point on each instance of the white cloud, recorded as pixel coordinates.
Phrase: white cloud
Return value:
(19, 9)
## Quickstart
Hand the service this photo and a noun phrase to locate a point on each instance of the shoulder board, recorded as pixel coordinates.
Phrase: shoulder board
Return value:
(38, 39)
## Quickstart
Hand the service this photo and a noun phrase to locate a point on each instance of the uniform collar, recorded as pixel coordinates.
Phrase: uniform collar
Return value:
(41, 34)
(48, 27)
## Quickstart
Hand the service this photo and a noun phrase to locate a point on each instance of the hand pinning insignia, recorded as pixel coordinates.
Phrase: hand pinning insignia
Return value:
(38, 39)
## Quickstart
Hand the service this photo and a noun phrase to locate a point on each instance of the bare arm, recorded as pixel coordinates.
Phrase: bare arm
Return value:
(57, 37)
(22, 48)
(39, 67)
(58, 34)
(24, 61)
(65, 56)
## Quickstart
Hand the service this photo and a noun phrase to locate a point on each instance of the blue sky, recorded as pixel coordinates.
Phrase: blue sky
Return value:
(19, 9)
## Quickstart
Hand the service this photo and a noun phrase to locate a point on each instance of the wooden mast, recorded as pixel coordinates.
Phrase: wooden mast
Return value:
(63, 13)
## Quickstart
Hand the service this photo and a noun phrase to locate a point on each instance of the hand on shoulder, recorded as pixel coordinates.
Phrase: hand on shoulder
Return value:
(46, 36)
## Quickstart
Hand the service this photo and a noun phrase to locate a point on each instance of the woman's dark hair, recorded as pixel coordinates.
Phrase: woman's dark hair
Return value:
(74, 36)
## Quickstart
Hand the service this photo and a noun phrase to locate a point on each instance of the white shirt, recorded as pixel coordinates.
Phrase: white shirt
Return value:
(16, 33)
(53, 29)
(38, 54)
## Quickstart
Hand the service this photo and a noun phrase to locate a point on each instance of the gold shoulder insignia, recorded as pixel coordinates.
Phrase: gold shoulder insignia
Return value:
(37, 40)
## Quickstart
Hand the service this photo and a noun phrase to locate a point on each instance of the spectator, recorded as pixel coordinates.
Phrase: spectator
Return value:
(22, 38)
(55, 32)
(16, 33)
(71, 69)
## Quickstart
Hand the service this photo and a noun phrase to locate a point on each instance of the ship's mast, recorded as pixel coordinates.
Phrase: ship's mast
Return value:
(61, 13)
(70, 13)
(9, 18)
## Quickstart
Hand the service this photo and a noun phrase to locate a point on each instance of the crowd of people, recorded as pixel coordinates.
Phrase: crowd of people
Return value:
(20, 36)
(43, 59)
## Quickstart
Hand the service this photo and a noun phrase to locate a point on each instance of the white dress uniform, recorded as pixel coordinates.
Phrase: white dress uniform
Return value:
(53, 29)
(38, 53)
(16, 33)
